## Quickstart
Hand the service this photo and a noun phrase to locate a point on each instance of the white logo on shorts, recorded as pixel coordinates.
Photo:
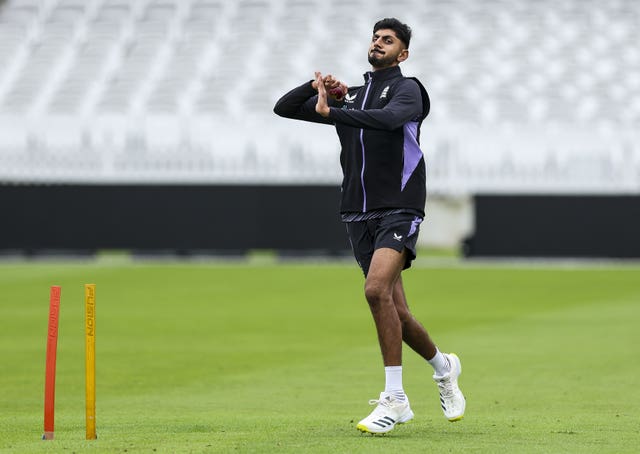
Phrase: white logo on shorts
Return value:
(397, 237)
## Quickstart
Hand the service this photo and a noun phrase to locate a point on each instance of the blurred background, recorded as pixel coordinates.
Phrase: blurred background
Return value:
(148, 124)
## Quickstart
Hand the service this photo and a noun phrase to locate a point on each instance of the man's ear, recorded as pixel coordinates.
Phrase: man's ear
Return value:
(403, 55)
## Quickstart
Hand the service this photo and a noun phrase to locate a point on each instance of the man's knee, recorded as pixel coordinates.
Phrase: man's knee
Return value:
(376, 293)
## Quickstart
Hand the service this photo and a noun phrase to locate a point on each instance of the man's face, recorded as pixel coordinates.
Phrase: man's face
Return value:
(386, 49)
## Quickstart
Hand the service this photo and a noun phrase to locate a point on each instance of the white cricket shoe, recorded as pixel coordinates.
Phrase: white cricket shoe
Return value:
(451, 398)
(389, 412)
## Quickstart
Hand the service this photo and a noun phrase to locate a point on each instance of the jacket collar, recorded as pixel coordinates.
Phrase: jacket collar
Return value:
(383, 74)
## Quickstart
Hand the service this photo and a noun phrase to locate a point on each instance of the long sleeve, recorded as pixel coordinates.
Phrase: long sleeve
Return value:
(300, 104)
(404, 106)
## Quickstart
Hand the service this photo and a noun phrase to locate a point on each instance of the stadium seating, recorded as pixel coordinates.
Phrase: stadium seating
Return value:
(526, 96)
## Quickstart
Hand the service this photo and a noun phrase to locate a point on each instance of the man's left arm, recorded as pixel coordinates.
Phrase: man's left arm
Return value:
(405, 105)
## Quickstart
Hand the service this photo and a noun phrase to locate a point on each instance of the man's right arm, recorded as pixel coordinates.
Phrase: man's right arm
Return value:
(300, 104)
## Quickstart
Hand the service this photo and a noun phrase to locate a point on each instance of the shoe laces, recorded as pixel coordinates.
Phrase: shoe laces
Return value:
(385, 402)
(446, 387)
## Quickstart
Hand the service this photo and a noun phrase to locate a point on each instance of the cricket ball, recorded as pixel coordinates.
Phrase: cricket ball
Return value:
(337, 93)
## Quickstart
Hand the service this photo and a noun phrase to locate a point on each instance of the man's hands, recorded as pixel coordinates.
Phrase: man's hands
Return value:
(322, 107)
(327, 86)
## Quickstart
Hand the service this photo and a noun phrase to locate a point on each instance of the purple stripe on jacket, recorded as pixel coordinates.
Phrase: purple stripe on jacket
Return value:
(412, 152)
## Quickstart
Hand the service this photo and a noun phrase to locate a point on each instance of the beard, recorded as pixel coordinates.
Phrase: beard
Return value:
(380, 61)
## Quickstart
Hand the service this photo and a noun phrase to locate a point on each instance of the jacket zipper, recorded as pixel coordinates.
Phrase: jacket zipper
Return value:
(364, 190)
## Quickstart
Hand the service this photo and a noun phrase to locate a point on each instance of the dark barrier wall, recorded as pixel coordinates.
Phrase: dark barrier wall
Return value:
(36, 218)
(556, 226)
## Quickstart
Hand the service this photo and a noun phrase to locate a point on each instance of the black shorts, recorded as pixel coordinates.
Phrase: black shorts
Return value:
(395, 231)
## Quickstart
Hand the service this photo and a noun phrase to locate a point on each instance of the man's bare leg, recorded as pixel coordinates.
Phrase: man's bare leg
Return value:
(393, 406)
(447, 367)
(413, 333)
(386, 265)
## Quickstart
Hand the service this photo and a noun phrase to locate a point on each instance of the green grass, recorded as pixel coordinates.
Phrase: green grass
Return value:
(283, 358)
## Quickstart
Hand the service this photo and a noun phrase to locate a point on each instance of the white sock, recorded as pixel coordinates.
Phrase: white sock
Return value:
(440, 364)
(393, 382)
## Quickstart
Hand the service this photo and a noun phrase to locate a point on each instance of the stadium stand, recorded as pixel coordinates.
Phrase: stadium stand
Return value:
(526, 96)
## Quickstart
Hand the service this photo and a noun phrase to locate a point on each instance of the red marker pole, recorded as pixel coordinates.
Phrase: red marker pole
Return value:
(50, 375)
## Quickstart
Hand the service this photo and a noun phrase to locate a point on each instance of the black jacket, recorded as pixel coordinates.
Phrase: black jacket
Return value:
(378, 124)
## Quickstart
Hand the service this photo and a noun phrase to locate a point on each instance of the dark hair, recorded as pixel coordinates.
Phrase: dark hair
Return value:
(403, 31)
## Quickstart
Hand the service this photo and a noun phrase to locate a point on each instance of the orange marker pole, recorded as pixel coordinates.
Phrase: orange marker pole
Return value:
(90, 358)
(50, 374)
